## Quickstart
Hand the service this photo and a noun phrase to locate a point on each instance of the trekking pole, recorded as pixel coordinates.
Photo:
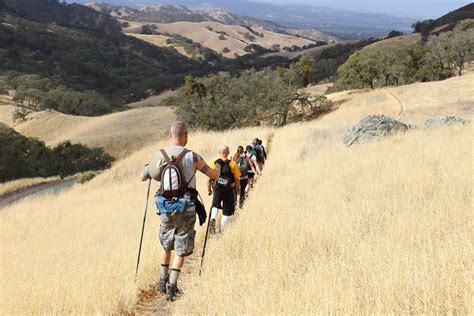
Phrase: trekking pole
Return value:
(143, 227)
(205, 241)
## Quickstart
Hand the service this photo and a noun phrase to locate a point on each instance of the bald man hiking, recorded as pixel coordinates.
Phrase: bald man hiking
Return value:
(223, 188)
(175, 167)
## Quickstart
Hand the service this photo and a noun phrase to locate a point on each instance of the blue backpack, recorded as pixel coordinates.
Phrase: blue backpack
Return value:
(243, 166)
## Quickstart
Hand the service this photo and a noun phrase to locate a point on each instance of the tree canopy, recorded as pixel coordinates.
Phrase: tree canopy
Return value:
(23, 157)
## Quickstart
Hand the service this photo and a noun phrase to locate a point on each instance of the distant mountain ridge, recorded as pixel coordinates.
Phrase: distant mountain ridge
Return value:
(223, 32)
(167, 13)
(445, 22)
(341, 23)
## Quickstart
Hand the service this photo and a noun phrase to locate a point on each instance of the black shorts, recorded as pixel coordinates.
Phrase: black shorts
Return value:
(251, 175)
(224, 200)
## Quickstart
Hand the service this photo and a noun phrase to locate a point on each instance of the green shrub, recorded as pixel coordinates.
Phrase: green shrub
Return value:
(267, 97)
(22, 157)
(85, 177)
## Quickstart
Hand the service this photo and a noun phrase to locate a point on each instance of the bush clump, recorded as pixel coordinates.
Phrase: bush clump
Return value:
(23, 157)
(85, 177)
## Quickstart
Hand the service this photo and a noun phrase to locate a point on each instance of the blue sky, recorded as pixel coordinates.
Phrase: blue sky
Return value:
(411, 8)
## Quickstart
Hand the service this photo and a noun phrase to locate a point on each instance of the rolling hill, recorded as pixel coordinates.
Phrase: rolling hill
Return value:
(225, 33)
(445, 22)
(411, 103)
(377, 228)
(81, 50)
(119, 133)
(218, 36)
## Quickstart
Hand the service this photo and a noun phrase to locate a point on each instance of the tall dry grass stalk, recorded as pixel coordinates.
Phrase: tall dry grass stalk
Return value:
(379, 228)
(75, 253)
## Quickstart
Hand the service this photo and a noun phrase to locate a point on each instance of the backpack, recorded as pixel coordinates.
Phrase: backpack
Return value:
(259, 154)
(172, 183)
(226, 177)
(242, 163)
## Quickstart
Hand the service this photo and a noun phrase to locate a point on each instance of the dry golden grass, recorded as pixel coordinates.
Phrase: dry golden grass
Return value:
(75, 253)
(404, 40)
(160, 40)
(380, 228)
(15, 185)
(377, 229)
(418, 101)
(319, 89)
(153, 101)
(119, 133)
(198, 32)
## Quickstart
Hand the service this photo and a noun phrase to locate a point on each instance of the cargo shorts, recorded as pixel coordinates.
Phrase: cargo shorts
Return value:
(177, 231)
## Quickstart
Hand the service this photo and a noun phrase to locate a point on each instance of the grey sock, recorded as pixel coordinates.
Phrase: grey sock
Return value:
(174, 276)
(164, 270)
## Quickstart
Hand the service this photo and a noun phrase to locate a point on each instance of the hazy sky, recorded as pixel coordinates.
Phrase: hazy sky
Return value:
(412, 8)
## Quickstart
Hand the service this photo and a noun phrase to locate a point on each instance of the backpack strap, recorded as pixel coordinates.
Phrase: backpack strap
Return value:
(165, 156)
(181, 155)
(222, 162)
(168, 159)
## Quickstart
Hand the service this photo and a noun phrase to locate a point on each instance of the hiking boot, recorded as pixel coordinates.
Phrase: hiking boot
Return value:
(171, 291)
(212, 226)
(161, 286)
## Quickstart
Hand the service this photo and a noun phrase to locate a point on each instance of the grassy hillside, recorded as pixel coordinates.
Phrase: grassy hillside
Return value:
(77, 47)
(120, 133)
(369, 229)
(411, 103)
(217, 36)
(447, 21)
(405, 41)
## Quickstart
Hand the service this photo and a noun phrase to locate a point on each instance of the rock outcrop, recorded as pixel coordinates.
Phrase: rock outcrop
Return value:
(440, 121)
(373, 127)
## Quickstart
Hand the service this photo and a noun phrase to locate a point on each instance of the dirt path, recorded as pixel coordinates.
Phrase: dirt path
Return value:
(398, 101)
(54, 187)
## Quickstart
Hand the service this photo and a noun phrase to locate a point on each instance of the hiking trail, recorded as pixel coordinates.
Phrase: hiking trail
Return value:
(53, 187)
(398, 101)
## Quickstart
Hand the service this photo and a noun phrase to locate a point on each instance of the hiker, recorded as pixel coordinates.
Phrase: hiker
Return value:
(175, 167)
(254, 169)
(223, 189)
(243, 163)
(260, 143)
(258, 153)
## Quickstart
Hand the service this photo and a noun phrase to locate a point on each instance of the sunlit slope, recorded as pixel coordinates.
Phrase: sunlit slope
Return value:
(411, 103)
(75, 253)
(119, 133)
(377, 229)
(234, 37)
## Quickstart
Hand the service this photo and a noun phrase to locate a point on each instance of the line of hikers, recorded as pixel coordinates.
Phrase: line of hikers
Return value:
(230, 179)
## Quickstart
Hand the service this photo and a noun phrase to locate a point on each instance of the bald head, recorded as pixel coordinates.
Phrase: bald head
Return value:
(178, 128)
(224, 151)
(179, 133)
